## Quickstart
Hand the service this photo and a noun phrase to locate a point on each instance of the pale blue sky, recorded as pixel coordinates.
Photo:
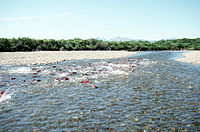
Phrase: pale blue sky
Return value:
(65, 19)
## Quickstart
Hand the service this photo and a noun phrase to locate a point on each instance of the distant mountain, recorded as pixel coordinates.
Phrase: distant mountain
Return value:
(171, 38)
(115, 39)
(98, 38)
(120, 39)
(152, 41)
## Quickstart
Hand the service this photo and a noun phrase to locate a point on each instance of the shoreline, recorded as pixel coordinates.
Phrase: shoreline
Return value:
(48, 57)
(192, 57)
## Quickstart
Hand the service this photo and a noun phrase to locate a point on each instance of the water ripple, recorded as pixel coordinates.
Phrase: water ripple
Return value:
(145, 92)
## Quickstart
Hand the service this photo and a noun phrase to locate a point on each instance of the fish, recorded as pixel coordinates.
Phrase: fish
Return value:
(1, 93)
(84, 82)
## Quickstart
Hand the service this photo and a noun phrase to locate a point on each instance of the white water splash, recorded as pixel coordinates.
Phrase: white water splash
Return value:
(146, 62)
(21, 70)
(8, 94)
(5, 97)
(118, 72)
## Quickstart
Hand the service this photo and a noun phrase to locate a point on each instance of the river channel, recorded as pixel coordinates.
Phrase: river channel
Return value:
(144, 92)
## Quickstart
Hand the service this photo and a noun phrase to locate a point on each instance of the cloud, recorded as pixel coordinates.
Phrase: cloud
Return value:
(20, 18)
(64, 14)
(32, 17)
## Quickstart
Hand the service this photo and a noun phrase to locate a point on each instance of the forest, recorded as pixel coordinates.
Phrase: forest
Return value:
(29, 44)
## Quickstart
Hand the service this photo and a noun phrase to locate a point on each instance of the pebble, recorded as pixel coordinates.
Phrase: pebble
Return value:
(136, 119)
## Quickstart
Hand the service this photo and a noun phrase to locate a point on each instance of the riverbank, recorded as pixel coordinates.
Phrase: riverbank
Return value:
(192, 57)
(46, 57)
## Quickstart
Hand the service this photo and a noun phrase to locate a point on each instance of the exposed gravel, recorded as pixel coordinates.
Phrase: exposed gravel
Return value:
(192, 57)
(46, 57)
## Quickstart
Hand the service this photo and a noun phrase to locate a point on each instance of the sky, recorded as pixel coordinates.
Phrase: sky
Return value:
(67, 19)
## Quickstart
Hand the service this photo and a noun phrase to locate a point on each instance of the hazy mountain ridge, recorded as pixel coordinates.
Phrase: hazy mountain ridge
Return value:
(123, 39)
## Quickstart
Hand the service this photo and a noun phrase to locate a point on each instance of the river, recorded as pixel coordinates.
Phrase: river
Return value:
(144, 92)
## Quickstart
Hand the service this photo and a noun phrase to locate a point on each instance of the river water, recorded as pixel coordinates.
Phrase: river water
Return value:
(144, 92)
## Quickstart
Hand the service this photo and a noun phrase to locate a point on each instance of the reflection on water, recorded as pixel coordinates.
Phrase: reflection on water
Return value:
(148, 92)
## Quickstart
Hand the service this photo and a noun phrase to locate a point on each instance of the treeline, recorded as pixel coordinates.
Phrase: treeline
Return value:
(28, 44)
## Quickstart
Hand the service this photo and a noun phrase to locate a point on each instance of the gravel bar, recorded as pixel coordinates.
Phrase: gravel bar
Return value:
(46, 57)
(192, 57)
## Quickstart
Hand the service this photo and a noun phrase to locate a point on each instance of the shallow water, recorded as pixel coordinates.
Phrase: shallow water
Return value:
(148, 91)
